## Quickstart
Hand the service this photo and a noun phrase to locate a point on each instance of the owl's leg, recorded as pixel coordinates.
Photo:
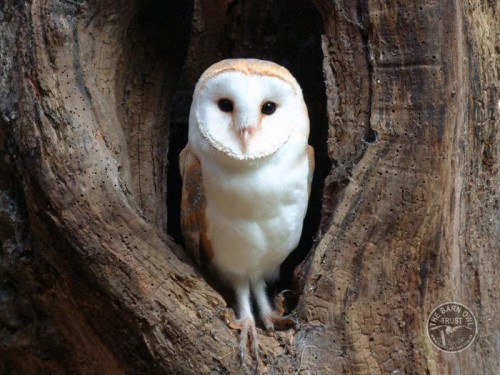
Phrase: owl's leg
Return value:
(246, 322)
(271, 318)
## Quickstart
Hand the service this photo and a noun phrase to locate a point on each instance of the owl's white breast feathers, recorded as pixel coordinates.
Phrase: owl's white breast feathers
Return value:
(255, 214)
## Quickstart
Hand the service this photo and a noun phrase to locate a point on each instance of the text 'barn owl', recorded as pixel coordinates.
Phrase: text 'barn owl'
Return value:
(247, 171)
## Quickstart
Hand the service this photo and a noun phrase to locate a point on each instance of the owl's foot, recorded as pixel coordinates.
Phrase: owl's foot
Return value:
(248, 336)
(276, 319)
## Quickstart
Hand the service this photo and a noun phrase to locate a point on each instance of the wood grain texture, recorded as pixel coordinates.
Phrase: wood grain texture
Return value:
(397, 245)
(90, 281)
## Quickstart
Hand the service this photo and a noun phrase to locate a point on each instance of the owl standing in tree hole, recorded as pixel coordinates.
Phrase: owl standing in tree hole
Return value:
(247, 171)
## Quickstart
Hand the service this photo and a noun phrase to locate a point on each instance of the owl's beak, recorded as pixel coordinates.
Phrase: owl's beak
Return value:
(246, 134)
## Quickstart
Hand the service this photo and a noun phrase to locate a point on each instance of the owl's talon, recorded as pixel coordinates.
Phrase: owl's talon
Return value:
(270, 331)
(275, 321)
(228, 317)
(248, 336)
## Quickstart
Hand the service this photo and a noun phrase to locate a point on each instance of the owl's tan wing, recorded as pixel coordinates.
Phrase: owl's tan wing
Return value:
(193, 206)
(310, 158)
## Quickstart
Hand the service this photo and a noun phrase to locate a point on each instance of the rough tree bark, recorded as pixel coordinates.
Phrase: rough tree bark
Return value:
(405, 202)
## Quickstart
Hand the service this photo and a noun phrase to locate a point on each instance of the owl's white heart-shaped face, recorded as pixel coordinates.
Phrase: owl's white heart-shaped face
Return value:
(247, 109)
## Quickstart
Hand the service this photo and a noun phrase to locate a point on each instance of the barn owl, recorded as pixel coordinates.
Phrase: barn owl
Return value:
(246, 170)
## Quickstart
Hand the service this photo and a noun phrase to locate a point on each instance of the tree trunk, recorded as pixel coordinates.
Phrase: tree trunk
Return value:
(94, 96)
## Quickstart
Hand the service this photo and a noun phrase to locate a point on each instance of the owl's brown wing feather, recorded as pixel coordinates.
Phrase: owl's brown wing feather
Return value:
(310, 157)
(193, 205)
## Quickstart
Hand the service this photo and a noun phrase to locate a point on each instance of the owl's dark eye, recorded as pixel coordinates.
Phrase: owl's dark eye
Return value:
(225, 105)
(268, 108)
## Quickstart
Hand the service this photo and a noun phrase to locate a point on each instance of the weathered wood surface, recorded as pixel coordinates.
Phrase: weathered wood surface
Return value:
(89, 281)
(415, 225)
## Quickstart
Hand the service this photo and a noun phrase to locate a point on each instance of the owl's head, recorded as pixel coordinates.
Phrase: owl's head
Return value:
(247, 108)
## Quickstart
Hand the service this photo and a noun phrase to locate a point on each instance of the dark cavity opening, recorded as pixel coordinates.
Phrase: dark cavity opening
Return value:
(287, 32)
